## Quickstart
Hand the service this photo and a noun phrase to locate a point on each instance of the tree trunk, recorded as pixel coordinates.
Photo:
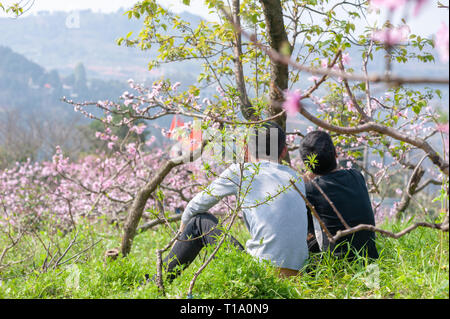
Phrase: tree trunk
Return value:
(138, 206)
(246, 106)
(278, 40)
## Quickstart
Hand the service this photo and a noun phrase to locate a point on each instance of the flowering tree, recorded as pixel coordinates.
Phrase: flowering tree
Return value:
(266, 60)
(360, 117)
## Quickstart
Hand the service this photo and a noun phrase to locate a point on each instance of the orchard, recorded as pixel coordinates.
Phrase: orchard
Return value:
(306, 65)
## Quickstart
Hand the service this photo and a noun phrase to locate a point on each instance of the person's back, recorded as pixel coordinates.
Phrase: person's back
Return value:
(346, 189)
(273, 211)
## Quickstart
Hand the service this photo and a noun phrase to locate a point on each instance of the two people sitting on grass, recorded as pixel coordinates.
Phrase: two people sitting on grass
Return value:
(274, 213)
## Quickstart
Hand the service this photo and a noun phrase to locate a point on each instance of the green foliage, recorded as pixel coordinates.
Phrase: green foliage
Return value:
(14, 8)
(236, 275)
(311, 161)
(414, 266)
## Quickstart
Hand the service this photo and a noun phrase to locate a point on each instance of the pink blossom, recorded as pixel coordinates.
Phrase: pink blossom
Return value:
(290, 139)
(157, 86)
(292, 102)
(175, 86)
(390, 4)
(350, 106)
(373, 105)
(441, 43)
(324, 63)
(419, 5)
(393, 209)
(110, 145)
(206, 101)
(403, 114)
(346, 60)
(443, 128)
(138, 129)
(166, 133)
(391, 36)
(101, 136)
(376, 164)
(150, 141)
(313, 78)
(220, 91)
(131, 149)
(101, 103)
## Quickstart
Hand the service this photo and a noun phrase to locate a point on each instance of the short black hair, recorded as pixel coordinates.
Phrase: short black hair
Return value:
(320, 144)
(265, 131)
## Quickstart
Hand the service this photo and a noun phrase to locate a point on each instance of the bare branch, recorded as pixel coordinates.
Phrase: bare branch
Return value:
(382, 129)
(341, 233)
(246, 106)
(338, 214)
(374, 78)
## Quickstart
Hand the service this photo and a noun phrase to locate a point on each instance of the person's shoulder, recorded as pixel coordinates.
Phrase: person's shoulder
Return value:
(285, 168)
(355, 172)
(294, 174)
(241, 169)
(309, 187)
(232, 170)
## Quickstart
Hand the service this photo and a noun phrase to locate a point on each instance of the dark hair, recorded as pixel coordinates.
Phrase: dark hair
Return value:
(264, 131)
(320, 144)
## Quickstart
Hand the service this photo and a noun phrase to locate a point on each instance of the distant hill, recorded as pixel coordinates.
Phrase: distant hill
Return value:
(26, 85)
(61, 40)
(53, 45)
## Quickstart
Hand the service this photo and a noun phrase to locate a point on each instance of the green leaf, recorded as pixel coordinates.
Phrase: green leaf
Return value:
(439, 93)
(187, 2)
(418, 107)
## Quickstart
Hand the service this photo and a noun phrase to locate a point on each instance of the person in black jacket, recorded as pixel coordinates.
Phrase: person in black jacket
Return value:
(347, 190)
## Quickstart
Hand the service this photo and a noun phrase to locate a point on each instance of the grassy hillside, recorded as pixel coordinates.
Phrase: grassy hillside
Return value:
(415, 266)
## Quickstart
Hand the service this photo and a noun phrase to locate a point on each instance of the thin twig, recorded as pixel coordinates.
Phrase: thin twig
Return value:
(331, 204)
(313, 211)
(375, 78)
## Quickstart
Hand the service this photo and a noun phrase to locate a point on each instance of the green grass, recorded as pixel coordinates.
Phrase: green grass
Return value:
(414, 266)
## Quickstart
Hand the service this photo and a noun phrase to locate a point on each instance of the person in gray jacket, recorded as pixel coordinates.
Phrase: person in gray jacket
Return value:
(273, 212)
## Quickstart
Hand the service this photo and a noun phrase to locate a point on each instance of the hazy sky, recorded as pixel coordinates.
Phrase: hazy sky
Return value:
(111, 5)
(427, 23)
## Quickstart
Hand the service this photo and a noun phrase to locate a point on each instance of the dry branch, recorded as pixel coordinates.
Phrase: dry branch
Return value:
(279, 58)
(138, 206)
